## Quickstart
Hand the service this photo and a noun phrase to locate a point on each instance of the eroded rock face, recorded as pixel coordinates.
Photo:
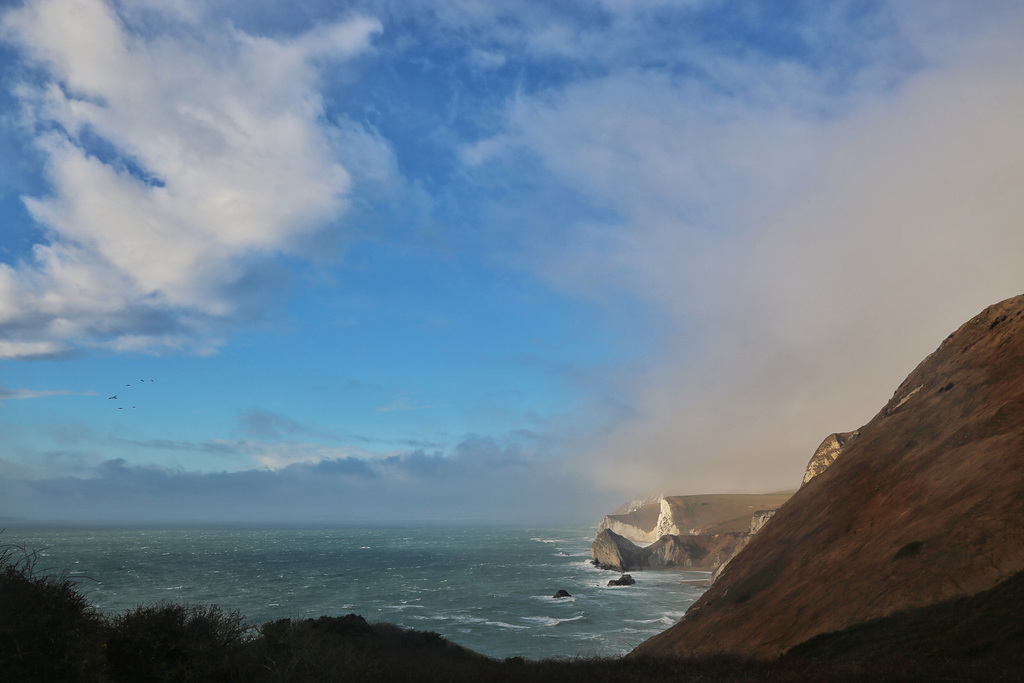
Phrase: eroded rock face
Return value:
(827, 453)
(924, 505)
(693, 532)
(637, 525)
(612, 551)
(667, 520)
(757, 523)
(690, 515)
(702, 552)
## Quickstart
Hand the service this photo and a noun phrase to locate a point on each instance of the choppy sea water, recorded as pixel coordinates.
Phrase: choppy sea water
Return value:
(487, 588)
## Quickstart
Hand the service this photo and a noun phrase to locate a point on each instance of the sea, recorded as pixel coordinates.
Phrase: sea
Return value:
(487, 588)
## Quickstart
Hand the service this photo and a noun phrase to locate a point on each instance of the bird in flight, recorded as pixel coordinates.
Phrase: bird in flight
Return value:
(110, 397)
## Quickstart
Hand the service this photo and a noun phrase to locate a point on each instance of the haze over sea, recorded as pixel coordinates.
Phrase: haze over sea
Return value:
(487, 588)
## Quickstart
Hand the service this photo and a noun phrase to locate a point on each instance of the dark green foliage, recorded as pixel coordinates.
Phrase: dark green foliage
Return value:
(48, 631)
(169, 642)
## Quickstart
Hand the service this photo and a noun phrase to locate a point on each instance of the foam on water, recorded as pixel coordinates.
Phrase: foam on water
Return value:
(487, 588)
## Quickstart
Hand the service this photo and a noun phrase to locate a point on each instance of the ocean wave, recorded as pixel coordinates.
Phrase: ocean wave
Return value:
(490, 591)
(505, 625)
(463, 619)
(552, 621)
(588, 565)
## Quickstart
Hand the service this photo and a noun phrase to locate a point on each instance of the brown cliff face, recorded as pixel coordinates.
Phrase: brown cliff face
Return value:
(926, 504)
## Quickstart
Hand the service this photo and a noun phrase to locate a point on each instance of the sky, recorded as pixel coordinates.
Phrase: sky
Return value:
(481, 260)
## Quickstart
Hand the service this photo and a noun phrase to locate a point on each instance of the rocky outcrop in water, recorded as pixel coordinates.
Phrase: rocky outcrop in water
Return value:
(612, 551)
(624, 580)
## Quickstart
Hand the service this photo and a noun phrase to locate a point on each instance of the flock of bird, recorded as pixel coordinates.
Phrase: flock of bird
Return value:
(114, 397)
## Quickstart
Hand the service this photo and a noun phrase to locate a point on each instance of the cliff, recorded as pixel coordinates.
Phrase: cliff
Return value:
(702, 552)
(827, 453)
(690, 515)
(924, 506)
(637, 525)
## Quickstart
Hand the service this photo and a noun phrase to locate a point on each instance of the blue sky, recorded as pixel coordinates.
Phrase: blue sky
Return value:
(482, 261)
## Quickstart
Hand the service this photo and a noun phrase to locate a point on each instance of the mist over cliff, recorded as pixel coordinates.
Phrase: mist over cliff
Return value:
(923, 506)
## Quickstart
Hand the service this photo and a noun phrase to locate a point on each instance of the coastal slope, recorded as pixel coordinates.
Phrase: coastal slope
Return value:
(925, 505)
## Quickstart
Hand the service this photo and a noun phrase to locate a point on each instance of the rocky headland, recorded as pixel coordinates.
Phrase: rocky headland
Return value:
(907, 535)
(682, 532)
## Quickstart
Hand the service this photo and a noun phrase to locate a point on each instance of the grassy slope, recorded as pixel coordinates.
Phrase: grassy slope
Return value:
(984, 628)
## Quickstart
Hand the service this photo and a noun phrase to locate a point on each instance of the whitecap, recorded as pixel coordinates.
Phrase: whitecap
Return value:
(502, 624)
(462, 619)
(551, 621)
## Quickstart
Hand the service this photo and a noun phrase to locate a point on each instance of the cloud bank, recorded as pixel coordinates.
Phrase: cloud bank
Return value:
(482, 480)
(180, 165)
(803, 248)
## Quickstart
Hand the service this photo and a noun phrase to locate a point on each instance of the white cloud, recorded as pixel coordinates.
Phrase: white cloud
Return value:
(19, 394)
(803, 263)
(177, 163)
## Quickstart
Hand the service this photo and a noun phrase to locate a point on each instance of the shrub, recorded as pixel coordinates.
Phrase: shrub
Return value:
(48, 630)
(171, 642)
(324, 649)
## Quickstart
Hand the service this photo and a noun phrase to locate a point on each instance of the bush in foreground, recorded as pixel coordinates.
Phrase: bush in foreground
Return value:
(48, 631)
(171, 642)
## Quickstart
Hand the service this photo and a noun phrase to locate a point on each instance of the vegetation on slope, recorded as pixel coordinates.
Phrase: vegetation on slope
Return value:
(984, 628)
